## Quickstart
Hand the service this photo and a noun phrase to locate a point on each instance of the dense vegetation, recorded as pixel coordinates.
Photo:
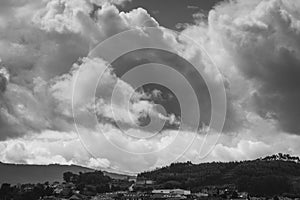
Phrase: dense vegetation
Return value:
(268, 176)
(89, 183)
(94, 179)
(13, 192)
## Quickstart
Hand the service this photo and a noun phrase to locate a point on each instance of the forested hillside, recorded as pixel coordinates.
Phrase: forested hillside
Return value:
(268, 176)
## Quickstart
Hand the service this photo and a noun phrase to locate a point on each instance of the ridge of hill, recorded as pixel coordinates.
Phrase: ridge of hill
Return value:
(272, 175)
(23, 173)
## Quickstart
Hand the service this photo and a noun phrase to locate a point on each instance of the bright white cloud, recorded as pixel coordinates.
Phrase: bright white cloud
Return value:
(255, 44)
(55, 147)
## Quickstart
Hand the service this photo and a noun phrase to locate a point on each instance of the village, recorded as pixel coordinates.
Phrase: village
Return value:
(132, 189)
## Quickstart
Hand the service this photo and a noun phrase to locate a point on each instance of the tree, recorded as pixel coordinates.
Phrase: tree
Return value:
(68, 177)
(5, 191)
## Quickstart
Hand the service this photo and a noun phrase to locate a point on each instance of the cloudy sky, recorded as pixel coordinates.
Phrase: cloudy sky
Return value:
(131, 85)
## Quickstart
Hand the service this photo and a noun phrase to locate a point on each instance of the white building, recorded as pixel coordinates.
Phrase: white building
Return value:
(172, 191)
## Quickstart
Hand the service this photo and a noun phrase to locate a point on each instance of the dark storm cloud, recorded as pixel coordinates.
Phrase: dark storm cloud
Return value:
(278, 95)
(264, 41)
(140, 57)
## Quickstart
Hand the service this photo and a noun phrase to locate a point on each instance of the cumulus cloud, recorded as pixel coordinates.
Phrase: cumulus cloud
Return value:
(98, 163)
(4, 79)
(262, 40)
(256, 45)
(117, 2)
(46, 148)
(39, 51)
(55, 147)
(45, 53)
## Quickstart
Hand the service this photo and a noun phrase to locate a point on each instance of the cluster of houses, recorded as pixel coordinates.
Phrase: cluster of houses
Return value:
(68, 191)
(64, 190)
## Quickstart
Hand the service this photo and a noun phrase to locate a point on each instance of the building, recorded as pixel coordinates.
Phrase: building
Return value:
(144, 181)
(172, 191)
(131, 178)
(200, 194)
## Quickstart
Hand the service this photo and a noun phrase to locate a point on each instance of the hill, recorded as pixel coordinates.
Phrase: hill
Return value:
(261, 177)
(19, 173)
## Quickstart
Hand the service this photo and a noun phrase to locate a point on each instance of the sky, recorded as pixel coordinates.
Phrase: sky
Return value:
(132, 85)
(180, 12)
